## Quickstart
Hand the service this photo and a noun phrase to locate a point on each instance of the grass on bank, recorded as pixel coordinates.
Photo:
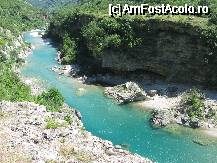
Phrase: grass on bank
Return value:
(52, 123)
(11, 88)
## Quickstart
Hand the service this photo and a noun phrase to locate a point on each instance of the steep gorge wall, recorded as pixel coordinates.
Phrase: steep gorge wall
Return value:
(176, 55)
(176, 51)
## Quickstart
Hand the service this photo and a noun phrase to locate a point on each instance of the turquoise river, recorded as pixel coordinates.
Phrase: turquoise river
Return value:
(127, 124)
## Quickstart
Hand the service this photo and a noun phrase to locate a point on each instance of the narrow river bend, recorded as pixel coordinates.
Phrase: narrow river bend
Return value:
(120, 124)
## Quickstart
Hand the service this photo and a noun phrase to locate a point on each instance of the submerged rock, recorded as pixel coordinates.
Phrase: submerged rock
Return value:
(126, 93)
(80, 92)
(201, 142)
(66, 69)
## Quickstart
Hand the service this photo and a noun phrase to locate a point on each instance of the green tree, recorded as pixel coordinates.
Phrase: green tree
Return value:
(95, 36)
(52, 99)
(195, 104)
(68, 50)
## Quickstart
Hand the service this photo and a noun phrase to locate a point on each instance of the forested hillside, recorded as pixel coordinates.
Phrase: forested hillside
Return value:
(17, 16)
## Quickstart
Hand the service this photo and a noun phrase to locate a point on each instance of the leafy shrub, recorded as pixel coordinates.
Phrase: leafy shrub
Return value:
(52, 99)
(95, 36)
(51, 123)
(2, 42)
(113, 41)
(195, 104)
(68, 50)
(68, 119)
(213, 17)
(12, 89)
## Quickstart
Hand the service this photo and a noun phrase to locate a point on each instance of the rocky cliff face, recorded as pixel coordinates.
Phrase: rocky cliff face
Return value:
(12, 46)
(175, 56)
(177, 51)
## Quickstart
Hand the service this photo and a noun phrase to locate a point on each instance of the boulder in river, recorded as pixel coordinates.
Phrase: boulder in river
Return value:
(161, 118)
(126, 93)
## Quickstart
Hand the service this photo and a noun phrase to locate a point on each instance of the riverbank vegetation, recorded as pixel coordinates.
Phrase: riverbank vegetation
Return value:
(192, 109)
(16, 17)
(194, 100)
(52, 99)
(13, 89)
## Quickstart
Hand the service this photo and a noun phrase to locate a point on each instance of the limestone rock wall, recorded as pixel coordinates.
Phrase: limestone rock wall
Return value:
(177, 51)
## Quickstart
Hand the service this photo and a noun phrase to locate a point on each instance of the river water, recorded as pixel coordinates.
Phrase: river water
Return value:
(127, 125)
